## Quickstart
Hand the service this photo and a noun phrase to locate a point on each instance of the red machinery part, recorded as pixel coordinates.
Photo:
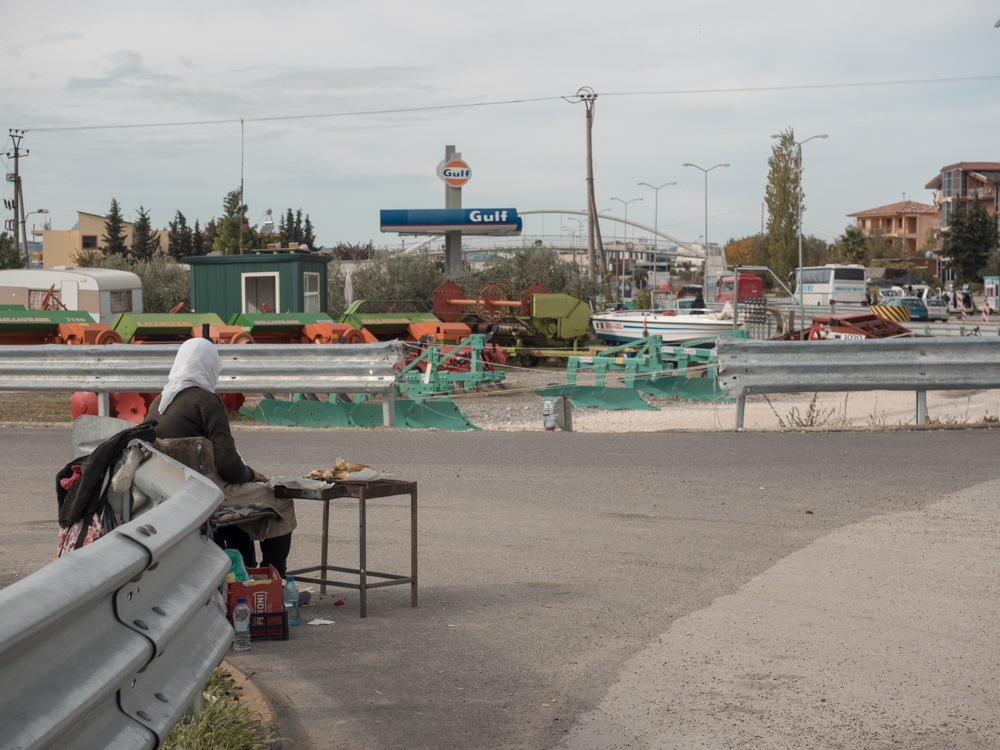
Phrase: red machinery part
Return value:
(232, 401)
(488, 303)
(446, 307)
(530, 292)
(131, 407)
(85, 402)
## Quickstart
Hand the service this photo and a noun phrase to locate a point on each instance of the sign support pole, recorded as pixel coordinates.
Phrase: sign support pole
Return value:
(452, 240)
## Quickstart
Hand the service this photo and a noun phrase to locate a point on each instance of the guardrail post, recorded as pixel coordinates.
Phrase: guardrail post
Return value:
(921, 407)
(741, 404)
(389, 409)
(104, 404)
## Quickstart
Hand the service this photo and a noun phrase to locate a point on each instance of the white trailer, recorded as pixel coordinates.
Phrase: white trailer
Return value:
(102, 292)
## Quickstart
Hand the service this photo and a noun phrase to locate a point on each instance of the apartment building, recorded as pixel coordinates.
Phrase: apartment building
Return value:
(60, 246)
(909, 223)
(962, 183)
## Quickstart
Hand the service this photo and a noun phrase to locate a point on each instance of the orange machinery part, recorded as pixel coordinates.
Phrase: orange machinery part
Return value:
(73, 334)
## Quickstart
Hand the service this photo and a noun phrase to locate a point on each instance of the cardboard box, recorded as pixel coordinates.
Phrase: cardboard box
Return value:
(262, 591)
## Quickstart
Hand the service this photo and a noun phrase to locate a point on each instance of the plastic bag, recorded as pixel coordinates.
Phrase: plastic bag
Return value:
(122, 479)
(236, 567)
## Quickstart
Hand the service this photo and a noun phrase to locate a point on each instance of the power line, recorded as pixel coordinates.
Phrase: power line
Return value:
(472, 105)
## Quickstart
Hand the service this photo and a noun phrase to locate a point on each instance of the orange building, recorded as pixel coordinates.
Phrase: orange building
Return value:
(907, 222)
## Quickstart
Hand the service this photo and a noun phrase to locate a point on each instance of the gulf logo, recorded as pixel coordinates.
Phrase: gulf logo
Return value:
(456, 173)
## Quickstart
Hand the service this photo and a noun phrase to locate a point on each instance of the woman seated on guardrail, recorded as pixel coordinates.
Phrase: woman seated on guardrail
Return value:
(188, 407)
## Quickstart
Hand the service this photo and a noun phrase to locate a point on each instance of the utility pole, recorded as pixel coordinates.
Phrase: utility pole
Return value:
(594, 254)
(17, 205)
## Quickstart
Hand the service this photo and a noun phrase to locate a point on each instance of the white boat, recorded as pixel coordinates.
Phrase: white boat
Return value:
(623, 326)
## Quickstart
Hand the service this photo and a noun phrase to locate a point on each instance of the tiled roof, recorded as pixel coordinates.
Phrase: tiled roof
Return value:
(965, 166)
(974, 166)
(896, 209)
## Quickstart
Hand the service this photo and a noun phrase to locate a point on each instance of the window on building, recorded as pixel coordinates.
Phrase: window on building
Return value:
(121, 302)
(89, 242)
(864, 223)
(899, 223)
(310, 292)
(36, 298)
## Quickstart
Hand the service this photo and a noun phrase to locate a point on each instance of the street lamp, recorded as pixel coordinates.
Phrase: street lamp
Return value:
(656, 214)
(798, 174)
(24, 233)
(621, 254)
(706, 171)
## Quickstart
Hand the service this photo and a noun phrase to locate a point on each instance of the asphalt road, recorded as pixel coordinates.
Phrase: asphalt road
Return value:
(547, 561)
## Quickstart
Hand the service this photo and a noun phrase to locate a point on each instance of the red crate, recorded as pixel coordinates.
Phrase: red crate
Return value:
(268, 626)
(262, 598)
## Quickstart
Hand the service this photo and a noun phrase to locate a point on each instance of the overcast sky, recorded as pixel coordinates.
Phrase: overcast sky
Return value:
(72, 65)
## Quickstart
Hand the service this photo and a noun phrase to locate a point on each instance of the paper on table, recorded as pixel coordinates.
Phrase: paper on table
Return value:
(366, 475)
(297, 483)
(320, 622)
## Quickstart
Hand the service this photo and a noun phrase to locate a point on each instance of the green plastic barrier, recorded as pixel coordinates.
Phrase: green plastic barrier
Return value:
(323, 414)
(440, 415)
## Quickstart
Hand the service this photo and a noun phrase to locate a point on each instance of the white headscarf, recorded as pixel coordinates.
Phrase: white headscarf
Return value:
(197, 363)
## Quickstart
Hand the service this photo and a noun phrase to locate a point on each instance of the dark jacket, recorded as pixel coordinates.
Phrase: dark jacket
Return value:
(90, 492)
(195, 412)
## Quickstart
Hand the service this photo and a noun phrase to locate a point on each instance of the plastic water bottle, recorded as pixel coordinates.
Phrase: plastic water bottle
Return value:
(241, 624)
(290, 598)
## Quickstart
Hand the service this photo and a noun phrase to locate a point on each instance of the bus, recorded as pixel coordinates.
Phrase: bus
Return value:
(832, 284)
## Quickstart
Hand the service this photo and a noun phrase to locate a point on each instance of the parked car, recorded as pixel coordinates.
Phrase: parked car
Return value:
(918, 308)
(937, 309)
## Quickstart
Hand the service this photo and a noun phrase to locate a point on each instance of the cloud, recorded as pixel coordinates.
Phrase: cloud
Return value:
(127, 69)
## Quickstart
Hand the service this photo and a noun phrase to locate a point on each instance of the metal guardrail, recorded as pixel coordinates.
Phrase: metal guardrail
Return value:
(107, 646)
(257, 368)
(920, 365)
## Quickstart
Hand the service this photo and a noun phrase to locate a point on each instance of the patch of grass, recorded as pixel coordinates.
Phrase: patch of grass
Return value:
(813, 416)
(223, 723)
(35, 407)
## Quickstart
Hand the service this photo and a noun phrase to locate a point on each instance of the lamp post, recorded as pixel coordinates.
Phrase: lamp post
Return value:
(656, 215)
(621, 254)
(706, 171)
(798, 200)
(24, 231)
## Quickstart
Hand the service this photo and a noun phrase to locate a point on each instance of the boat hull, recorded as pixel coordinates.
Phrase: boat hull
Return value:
(622, 327)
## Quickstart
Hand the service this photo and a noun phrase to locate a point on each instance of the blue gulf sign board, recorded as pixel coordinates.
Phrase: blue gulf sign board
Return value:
(441, 220)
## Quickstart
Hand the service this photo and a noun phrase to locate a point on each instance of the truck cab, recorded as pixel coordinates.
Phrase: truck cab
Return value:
(751, 286)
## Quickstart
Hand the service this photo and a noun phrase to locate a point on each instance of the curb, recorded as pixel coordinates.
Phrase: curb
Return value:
(254, 700)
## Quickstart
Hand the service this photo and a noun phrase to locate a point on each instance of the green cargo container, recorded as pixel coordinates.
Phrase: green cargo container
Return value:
(285, 282)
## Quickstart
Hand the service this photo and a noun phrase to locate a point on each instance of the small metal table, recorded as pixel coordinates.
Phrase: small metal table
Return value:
(363, 492)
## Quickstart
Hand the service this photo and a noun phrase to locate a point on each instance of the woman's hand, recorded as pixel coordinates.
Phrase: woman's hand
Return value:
(258, 477)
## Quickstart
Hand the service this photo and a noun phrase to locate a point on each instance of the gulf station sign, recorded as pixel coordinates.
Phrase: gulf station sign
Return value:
(454, 172)
(424, 221)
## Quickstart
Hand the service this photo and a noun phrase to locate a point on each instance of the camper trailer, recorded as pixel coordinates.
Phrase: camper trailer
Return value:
(102, 292)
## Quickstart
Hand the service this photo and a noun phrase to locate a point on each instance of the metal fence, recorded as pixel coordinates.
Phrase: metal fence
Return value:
(107, 646)
(257, 368)
(919, 365)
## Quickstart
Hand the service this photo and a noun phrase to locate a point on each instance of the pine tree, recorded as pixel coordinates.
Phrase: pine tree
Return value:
(197, 240)
(298, 226)
(113, 241)
(179, 243)
(287, 228)
(227, 229)
(784, 204)
(145, 241)
(210, 234)
(8, 256)
(309, 234)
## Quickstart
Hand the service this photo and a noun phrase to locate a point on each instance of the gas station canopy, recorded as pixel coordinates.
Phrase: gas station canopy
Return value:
(473, 221)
